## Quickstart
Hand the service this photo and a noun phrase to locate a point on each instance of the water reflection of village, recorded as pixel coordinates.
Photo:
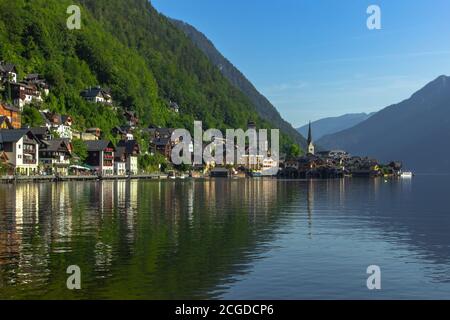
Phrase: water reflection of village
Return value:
(161, 239)
(44, 227)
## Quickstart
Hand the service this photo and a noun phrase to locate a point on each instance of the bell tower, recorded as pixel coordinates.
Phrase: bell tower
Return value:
(311, 148)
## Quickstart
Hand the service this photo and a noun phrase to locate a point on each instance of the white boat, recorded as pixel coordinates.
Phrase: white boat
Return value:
(406, 174)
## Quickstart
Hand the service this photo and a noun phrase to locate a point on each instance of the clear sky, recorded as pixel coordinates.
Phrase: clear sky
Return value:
(317, 58)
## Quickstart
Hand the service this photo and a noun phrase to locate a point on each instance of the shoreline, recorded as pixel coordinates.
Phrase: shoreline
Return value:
(54, 179)
(16, 179)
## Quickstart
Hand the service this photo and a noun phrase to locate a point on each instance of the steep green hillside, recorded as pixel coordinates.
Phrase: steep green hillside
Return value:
(127, 46)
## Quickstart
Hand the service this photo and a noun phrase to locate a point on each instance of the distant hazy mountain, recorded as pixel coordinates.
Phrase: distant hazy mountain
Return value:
(264, 108)
(332, 125)
(416, 130)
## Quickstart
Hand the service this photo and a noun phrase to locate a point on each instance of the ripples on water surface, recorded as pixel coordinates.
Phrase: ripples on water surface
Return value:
(233, 239)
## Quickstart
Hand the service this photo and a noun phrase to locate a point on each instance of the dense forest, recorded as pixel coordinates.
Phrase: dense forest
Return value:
(128, 47)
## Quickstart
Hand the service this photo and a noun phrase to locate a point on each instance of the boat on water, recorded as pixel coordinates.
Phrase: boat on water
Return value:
(406, 174)
(256, 174)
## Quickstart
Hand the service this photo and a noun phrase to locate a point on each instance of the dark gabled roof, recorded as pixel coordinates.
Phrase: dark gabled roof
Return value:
(14, 135)
(163, 131)
(161, 142)
(55, 144)
(129, 145)
(94, 92)
(97, 145)
(7, 67)
(32, 76)
(40, 131)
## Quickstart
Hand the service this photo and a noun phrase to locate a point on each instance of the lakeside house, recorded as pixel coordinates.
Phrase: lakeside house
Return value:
(12, 114)
(21, 149)
(101, 156)
(55, 155)
(97, 95)
(120, 162)
(131, 151)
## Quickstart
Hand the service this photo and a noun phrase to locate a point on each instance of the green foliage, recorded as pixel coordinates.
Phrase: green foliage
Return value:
(31, 117)
(125, 46)
(152, 163)
(80, 149)
(294, 150)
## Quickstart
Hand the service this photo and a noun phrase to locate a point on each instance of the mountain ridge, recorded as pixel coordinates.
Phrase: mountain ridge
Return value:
(414, 130)
(330, 125)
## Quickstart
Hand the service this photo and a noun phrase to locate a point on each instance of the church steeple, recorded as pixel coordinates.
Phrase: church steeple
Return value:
(309, 134)
(311, 148)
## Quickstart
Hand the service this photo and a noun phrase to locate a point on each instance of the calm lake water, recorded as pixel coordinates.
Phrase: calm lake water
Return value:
(231, 239)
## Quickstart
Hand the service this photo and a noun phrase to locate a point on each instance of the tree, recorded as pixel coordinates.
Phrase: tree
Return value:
(152, 163)
(31, 117)
(294, 150)
(80, 149)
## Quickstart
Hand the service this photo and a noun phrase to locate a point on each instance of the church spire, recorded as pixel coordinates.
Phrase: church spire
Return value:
(309, 134)
(311, 148)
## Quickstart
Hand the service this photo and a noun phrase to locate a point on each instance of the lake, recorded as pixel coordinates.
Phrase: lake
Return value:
(226, 239)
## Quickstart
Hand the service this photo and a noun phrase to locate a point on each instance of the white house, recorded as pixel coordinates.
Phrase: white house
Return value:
(97, 95)
(22, 150)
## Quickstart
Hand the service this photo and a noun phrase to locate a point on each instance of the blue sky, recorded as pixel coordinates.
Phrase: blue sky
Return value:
(317, 58)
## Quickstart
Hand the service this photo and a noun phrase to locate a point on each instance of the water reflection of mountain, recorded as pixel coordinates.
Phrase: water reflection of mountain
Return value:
(134, 239)
(192, 239)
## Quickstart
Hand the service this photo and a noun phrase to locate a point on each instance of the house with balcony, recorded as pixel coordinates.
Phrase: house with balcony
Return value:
(21, 148)
(101, 156)
(23, 94)
(55, 155)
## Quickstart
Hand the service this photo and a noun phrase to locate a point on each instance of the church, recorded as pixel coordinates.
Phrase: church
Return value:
(311, 148)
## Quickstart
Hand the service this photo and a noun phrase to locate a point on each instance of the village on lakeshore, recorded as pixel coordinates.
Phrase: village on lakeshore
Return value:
(59, 149)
